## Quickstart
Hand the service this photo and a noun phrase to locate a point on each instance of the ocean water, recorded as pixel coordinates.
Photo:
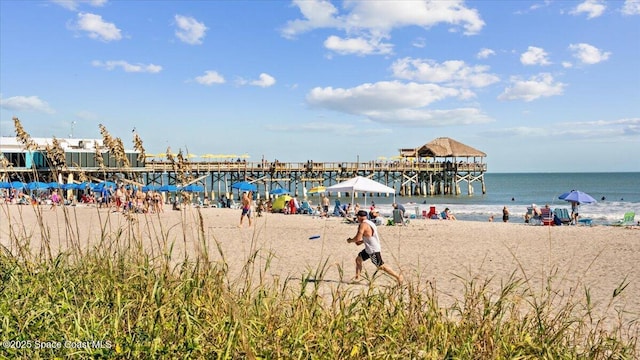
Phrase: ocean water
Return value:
(621, 193)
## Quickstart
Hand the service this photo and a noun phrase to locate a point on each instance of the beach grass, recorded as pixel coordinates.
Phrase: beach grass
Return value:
(142, 291)
(121, 300)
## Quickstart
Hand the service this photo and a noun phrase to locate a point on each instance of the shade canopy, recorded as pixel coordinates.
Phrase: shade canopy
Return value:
(278, 204)
(361, 184)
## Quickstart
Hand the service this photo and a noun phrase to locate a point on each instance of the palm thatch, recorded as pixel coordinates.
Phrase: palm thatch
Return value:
(447, 147)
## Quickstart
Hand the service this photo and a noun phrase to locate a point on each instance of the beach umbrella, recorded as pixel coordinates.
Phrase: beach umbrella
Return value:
(69, 186)
(5, 185)
(17, 185)
(193, 188)
(279, 191)
(245, 156)
(101, 185)
(577, 196)
(82, 186)
(244, 186)
(37, 185)
(53, 185)
(169, 188)
(317, 189)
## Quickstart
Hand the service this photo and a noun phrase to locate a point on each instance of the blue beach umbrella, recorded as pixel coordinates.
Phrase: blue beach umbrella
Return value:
(17, 185)
(37, 185)
(5, 185)
(70, 186)
(100, 186)
(169, 188)
(53, 185)
(279, 191)
(193, 188)
(577, 196)
(244, 186)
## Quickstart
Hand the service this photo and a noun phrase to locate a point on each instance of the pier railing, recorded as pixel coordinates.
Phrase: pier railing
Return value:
(208, 166)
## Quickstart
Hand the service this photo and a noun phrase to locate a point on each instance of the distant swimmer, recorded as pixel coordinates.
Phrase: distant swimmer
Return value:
(513, 199)
(603, 198)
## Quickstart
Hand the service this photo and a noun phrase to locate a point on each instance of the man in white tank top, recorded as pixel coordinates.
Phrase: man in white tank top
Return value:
(368, 235)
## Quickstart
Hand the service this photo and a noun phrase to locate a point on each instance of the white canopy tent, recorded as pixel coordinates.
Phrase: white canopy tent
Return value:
(362, 184)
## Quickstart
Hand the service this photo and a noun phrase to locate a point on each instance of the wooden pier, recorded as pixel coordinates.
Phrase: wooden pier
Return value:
(437, 168)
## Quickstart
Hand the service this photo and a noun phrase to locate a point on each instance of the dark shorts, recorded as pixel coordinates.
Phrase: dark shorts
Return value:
(246, 211)
(376, 258)
(325, 208)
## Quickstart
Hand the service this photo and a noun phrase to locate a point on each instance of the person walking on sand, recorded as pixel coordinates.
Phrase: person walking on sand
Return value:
(368, 235)
(246, 207)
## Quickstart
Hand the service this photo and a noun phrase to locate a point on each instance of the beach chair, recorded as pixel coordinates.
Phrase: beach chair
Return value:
(627, 220)
(397, 217)
(305, 208)
(563, 215)
(547, 217)
(531, 218)
(433, 214)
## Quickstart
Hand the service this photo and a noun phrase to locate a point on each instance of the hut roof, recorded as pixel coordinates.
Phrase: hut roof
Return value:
(444, 147)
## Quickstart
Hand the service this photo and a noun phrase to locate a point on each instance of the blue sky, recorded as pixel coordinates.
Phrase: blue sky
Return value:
(537, 85)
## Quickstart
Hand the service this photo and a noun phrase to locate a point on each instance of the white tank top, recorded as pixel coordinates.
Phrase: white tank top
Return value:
(372, 243)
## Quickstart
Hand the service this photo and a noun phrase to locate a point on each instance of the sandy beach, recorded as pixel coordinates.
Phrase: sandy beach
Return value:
(438, 252)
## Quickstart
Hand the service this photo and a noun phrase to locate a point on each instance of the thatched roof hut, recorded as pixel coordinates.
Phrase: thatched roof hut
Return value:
(443, 147)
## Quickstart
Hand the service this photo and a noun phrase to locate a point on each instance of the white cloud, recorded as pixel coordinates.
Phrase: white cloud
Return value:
(534, 56)
(265, 80)
(317, 14)
(452, 72)
(567, 64)
(127, 67)
(98, 28)
(593, 8)
(380, 96)
(396, 102)
(74, 4)
(190, 30)
(631, 7)
(26, 103)
(324, 127)
(419, 42)
(542, 85)
(210, 77)
(431, 118)
(387, 15)
(367, 22)
(588, 54)
(485, 53)
(603, 130)
(358, 46)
